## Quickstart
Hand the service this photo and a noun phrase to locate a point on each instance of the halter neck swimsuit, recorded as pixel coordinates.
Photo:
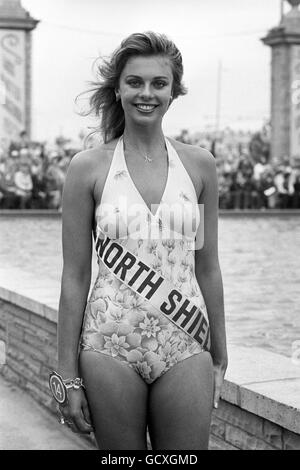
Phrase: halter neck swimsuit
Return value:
(117, 321)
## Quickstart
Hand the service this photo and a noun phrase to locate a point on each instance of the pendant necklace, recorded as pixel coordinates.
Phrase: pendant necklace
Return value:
(148, 159)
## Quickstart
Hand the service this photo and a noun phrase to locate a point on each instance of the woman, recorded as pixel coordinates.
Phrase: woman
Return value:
(141, 367)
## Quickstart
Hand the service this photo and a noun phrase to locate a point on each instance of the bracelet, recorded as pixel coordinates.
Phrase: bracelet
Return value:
(74, 383)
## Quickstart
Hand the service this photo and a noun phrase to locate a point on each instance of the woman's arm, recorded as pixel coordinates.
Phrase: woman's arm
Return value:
(77, 220)
(207, 267)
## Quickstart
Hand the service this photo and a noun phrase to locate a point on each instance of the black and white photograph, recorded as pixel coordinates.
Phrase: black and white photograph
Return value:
(149, 227)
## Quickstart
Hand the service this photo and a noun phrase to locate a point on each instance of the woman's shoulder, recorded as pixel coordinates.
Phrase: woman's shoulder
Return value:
(193, 151)
(94, 155)
(201, 156)
(93, 159)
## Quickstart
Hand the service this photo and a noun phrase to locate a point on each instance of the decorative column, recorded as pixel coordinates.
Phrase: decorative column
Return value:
(284, 41)
(16, 25)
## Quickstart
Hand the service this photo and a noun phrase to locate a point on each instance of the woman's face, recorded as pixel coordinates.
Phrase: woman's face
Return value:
(145, 88)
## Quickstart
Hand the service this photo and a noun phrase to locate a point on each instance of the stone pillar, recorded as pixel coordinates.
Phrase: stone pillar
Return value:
(284, 41)
(16, 25)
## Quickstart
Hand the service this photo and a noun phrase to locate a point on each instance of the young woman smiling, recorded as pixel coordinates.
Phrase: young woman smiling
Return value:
(147, 348)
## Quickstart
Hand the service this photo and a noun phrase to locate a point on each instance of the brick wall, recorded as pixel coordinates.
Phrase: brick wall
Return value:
(235, 429)
(30, 341)
(30, 346)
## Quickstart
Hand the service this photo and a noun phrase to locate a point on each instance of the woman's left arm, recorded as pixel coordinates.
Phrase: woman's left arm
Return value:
(208, 271)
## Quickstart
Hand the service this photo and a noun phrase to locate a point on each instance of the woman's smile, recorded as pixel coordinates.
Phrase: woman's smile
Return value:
(145, 108)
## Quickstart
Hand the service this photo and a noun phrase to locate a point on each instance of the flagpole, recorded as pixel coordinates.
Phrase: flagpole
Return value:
(218, 100)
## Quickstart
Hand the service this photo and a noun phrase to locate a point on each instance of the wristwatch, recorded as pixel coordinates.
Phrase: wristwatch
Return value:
(59, 386)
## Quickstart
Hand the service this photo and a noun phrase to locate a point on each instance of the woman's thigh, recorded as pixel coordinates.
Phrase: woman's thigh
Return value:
(180, 405)
(117, 398)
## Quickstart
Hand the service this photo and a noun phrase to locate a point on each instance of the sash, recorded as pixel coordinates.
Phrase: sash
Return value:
(151, 286)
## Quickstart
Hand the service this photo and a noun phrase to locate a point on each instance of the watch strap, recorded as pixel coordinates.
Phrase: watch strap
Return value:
(59, 386)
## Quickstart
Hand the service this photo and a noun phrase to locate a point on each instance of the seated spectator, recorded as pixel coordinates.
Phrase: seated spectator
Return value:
(224, 190)
(245, 165)
(9, 199)
(236, 185)
(55, 178)
(267, 189)
(248, 192)
(39, 189)
(23, 184)
(259, 168)
(24, 155)
(281, 181)
(294, 185)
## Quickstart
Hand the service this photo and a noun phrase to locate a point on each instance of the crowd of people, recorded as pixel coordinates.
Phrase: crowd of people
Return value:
(248, 177)
(32, 174)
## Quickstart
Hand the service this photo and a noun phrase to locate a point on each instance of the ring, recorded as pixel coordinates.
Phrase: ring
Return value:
(62, 420)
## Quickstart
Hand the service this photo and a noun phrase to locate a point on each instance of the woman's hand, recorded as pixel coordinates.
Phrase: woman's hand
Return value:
(219, 373)
(76, 412)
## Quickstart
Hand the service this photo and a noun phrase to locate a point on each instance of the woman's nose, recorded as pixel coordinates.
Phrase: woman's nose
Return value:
(146, 91)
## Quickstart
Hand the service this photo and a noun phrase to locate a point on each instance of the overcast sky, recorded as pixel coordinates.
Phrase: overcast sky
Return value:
(72, 33)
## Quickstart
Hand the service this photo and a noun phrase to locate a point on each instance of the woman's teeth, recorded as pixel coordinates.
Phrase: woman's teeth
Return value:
(145, 107)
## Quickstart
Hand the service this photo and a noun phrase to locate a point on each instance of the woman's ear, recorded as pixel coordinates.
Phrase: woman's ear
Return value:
(117, 95)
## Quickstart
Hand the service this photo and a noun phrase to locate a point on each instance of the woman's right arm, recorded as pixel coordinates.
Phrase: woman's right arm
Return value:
(77, 220)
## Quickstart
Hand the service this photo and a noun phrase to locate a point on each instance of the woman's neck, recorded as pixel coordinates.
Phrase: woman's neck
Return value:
(144, 140)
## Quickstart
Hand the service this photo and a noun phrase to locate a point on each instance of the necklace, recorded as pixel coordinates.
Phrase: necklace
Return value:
(147, 159)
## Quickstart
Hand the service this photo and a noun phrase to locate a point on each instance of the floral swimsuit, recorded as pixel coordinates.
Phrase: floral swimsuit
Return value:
(118, 322)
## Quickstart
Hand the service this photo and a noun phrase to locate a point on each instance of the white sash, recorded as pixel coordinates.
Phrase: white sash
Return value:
(152, 286)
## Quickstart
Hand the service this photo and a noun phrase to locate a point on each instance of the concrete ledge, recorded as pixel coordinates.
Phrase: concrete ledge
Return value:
(33, 303)
(259, 213)
(265, 384)
(222, 212)
(30, 213)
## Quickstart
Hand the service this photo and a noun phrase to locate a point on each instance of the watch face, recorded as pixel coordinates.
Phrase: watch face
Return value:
(57, 388)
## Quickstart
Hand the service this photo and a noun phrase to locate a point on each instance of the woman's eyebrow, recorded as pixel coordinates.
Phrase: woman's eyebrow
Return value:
(154, 78)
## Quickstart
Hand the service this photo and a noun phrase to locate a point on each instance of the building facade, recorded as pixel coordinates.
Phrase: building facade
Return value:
(284, 41)
(16, 26)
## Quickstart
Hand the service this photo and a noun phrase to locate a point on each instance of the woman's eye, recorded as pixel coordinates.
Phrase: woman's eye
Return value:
(134, 83)
(159, 84)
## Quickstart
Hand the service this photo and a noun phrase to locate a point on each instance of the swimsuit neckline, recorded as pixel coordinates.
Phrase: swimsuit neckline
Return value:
(150, 213)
